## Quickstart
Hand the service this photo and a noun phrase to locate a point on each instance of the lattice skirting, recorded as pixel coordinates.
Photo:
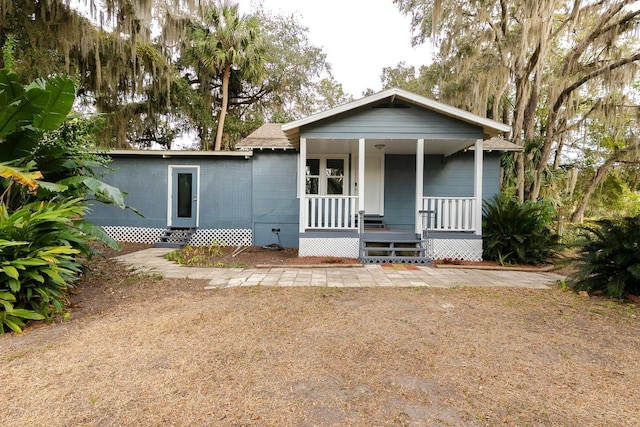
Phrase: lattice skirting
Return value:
(202, 237)
(134, 234)
(225, 237)
(343, 247)
(466, 249)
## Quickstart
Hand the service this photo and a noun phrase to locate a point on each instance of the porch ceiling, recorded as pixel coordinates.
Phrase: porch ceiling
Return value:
(390, 146)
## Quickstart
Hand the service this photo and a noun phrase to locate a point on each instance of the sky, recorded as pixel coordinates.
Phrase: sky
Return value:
(360, 37)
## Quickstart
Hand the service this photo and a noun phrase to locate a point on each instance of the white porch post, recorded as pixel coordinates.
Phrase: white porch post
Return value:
(361, 161)
(478, 157)
(419, 184)
(302, 183)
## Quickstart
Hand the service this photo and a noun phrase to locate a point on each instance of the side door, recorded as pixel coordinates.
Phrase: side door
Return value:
(183, 200)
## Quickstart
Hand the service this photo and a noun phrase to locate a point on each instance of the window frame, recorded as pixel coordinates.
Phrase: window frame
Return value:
(323, 178)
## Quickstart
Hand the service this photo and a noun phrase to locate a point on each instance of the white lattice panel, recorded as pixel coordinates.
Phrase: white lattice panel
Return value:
(228, 237)
(225, 237)
(332, 247)
(134, 234)
(466, 249)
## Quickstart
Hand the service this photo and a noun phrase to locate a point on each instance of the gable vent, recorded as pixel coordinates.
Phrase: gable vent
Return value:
(391, 105)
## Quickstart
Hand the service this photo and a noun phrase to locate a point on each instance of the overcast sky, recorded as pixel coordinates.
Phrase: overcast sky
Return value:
(360, 37)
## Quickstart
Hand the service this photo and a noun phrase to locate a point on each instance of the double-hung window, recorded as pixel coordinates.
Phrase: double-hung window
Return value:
(326, 175)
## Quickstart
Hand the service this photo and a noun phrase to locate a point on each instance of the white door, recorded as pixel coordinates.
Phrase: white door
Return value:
(373, 184)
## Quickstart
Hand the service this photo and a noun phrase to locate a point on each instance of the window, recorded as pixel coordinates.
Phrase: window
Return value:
(313, 176)
(326, 175)
(335, 176)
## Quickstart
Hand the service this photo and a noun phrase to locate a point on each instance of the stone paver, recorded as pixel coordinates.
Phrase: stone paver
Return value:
(152, 261)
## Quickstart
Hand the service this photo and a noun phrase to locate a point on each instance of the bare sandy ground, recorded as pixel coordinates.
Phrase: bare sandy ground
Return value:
(146, 351)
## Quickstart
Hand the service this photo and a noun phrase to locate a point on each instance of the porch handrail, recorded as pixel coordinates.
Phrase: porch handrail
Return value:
(450, 213)
(334, 212)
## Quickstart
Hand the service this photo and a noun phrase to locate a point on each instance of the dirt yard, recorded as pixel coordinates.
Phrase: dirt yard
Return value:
(146, 351)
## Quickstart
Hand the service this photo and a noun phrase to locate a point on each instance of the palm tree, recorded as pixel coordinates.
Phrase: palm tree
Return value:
(223, 41)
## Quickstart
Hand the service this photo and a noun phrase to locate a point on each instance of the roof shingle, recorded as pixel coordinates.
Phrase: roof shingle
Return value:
(268, 136)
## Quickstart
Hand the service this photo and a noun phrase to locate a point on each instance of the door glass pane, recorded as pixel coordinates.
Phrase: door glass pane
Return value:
(312, 185)
(335, 167)
(185, 186)
(313, 166)
(334, 185)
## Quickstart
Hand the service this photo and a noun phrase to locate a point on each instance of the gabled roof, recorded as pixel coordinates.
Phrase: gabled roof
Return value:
(269, 136)
(490, 127)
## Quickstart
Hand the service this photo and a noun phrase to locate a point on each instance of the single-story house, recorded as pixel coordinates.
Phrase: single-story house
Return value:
(392, 177)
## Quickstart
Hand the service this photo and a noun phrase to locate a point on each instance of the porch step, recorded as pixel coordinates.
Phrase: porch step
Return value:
(373, 221)
(175, 237)
(393, 248)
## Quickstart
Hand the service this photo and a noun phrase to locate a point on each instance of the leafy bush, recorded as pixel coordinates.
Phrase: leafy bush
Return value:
(609, 257)
(39, 248)
(518, 233)
(197, 255)
(42, 233)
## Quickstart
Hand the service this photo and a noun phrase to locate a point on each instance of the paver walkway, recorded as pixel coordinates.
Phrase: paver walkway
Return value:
(372, 275)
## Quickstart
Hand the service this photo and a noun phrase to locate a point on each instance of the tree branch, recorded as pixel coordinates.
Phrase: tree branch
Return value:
(568, 90)
(598, 31)
(617, 157)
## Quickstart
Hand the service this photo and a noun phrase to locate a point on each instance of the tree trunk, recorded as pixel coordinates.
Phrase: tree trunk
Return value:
(597, 178)
(536, 185)
(520, 176)
(204, 130)
(600, 174)
(558, 156)
(223, 110)
(518, 121)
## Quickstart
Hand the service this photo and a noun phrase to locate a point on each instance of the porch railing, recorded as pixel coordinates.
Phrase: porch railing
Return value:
(449, 213)
(331, 212)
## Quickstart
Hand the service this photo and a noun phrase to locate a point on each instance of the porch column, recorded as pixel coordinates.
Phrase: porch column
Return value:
(419, 184)
(302, 184)
(361, 161)
(478, 157)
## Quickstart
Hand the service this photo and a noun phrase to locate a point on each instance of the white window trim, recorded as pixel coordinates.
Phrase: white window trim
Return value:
(171, 195)
(322, 181)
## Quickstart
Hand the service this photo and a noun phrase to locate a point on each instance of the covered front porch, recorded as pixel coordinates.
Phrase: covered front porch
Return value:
(392, 206)
(393, 177)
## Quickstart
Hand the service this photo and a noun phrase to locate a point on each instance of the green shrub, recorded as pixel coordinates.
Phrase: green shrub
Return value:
(609, 257)
(39, 248)
(518, 233)
(46, 176)
(197, 255)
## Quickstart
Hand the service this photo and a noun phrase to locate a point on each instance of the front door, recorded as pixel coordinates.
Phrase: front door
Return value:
(184, 197)
(374, 185)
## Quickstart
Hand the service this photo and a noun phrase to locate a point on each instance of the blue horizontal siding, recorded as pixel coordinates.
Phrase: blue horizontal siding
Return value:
(275, 203)
(261, 193)
(145, 182)
(225, 192)
(453, 176)
(443, 176)
(402, 123)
